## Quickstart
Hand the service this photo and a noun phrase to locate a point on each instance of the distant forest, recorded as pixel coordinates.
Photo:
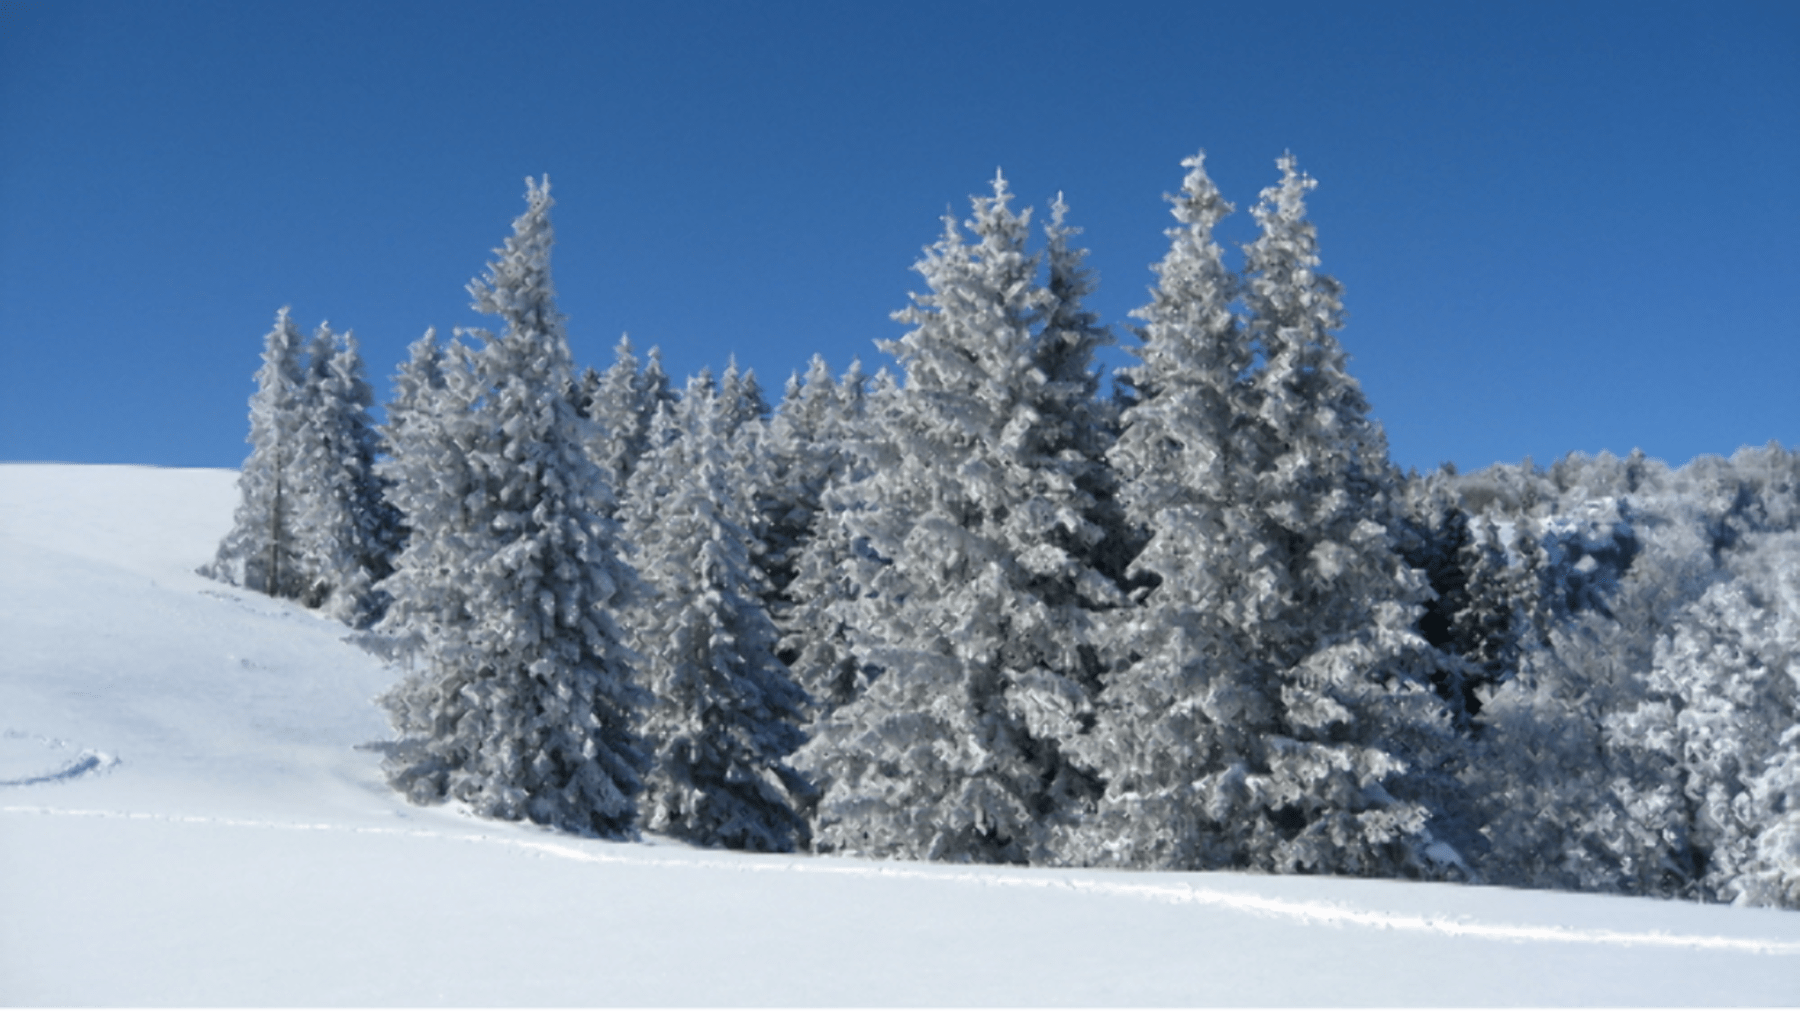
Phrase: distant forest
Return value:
(973, 608)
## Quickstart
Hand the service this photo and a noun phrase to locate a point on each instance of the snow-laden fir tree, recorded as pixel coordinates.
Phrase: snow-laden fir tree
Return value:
(347, 530)
(829, 437)
(524, 705)
(621, 403)
(1181, 717)
(262, 550)
(800, 461)
(1351, 768)
(428, 480)
(726, 713)
(804, 453)
(1274, 711)
(1477, 612)
(740, 397)
(975, 585)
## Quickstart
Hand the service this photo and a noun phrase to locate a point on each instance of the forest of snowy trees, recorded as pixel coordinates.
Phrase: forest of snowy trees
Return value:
(975, 608)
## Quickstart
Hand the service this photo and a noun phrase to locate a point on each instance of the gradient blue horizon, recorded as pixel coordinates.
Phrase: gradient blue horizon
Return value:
(1560, 227)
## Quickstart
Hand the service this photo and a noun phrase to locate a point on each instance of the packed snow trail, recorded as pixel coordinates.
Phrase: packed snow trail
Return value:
(1180, 893)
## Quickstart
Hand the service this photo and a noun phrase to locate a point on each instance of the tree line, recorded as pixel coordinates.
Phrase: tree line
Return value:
(981, 610)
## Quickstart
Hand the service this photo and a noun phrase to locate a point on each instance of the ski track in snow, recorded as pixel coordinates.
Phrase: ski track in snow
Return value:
(1184, 894)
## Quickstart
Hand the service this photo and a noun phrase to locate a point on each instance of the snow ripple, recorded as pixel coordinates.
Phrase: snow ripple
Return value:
(1303, 911)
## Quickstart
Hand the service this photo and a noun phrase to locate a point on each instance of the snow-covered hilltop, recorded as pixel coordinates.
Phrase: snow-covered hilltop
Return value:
(185, 819)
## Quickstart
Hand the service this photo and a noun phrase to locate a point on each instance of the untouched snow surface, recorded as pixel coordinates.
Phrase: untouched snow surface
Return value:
(185, 819)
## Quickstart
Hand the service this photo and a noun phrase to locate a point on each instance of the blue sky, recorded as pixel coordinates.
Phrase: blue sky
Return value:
(1565, 226)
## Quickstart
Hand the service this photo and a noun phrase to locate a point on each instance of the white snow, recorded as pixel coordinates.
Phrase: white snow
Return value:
(185, 819)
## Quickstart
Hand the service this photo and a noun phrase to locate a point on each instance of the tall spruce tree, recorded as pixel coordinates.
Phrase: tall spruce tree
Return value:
(348, 531)
(525, 705)
(1185, 712)
(262, 550)
(1273, 710)
(740, 397)
(727, 713)
(621, 403)
(429, 481)
(975, 586)
(814, 443)
(1352, 767)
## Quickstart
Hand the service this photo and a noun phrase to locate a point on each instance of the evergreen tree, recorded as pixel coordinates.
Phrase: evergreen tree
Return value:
(741, 398)
(1181, 716)
(727, 714)
(1356, 754)
(429, 481)
(525, 706)
(348, 532)
(1476, 614)
(974, 587)
(1274, 710)
(804, 453)
(262, 550)
(621, 403)
(817, 444)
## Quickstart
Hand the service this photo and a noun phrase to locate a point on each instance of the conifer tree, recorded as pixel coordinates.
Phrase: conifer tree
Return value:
(815, 444)
(262, 550)
(1358, 750)
(348, 531)
(429, 481)
(726, 714)
(1181, 717)
(804, 453)
(525, 705)
(740, 397)
(974, 587)
(1273, 709)
(621, 403)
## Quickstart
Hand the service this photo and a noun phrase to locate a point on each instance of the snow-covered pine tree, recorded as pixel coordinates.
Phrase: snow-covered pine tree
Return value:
(1181, 715)
(622, 402)
(726, 714)
(525, 706)
(814, 450)
(1479, 609)
(1279, 714)
(805, 453)
(262, 551)
(800, 463)
(429, 481)
(1355, 759)
(348, 532)
(975, 590)
(1076, 427)
(740, 397)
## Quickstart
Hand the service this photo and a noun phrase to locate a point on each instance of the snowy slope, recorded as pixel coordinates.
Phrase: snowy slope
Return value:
(185, 819)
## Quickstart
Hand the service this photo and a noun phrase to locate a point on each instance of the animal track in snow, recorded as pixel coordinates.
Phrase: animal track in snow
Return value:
(27, 759)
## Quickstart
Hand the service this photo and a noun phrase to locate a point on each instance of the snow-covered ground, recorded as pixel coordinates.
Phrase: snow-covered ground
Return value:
(185, 819)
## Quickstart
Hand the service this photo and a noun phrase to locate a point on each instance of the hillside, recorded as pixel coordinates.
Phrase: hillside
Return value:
(185, 819)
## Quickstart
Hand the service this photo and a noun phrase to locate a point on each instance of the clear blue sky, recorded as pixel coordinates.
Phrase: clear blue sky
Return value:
(1561, 226)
